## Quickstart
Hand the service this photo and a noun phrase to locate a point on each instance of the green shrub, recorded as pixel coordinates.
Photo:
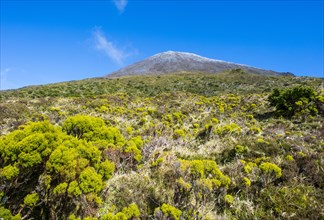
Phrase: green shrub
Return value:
(9, 172)
(246, 181)
(79, 125)
(297, 100)
(90, 181)
(6, 214)
(248, 167)
(73, 217)
(169, 211)
(133, 149)
(60, 189)
(271, 168)
(229, 199)
(74, 188)
(179, 133)
(297, 201)
(231, 128)
(204, 169)
(129, 212)
(31, 199)
(107, 169)
(239, 149)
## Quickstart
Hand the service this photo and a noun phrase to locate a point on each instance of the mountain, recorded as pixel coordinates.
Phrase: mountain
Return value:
(187, 145)
(171, 62)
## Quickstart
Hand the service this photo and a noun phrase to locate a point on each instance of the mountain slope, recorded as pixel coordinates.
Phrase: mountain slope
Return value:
(226, 82)
(170, 62)
(173, 146)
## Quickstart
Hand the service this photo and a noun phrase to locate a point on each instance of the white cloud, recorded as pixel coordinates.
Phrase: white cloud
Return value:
(108, 48)
(121, 5)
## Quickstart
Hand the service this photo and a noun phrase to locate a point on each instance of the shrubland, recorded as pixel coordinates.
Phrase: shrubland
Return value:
(180, 146)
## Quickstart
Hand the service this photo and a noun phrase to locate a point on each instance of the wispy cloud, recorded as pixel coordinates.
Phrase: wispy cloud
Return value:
(106, 46)
(121, 5)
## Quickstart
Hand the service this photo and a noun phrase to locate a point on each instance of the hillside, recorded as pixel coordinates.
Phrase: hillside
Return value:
(172, 61)
(233, 81)
(175, 146)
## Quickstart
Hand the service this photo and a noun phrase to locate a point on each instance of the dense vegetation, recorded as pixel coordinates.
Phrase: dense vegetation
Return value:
(181, 146)
(235, 81)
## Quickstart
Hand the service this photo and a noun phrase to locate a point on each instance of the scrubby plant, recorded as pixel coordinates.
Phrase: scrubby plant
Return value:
(106, 169)
(51, 164)
(270, 172)
(6, 214)
(239, 149)
(9, 172)
(31, 199)
(301, 100)
(229, 199)
(167, 212)
(247, 181)
(178, 133)
(198, 179)
(289, 158)
(93, 151)
(127, 213)
(271, 168)
(82, 126)
(231, 128)
(290, 201)
(255, 130)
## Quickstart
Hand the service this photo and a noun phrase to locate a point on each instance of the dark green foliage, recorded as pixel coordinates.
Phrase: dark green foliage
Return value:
(290, 201)
(299, 100)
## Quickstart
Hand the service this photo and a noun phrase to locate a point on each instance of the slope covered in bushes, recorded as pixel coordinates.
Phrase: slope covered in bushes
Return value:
(194, 146)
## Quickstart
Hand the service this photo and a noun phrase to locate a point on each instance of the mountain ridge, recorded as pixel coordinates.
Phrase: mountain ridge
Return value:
(173, 61)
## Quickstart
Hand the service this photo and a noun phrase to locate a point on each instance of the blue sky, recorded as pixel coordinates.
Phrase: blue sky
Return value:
(53, 41)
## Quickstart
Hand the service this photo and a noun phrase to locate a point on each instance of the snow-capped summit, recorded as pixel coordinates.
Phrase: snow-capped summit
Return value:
(172, 61)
